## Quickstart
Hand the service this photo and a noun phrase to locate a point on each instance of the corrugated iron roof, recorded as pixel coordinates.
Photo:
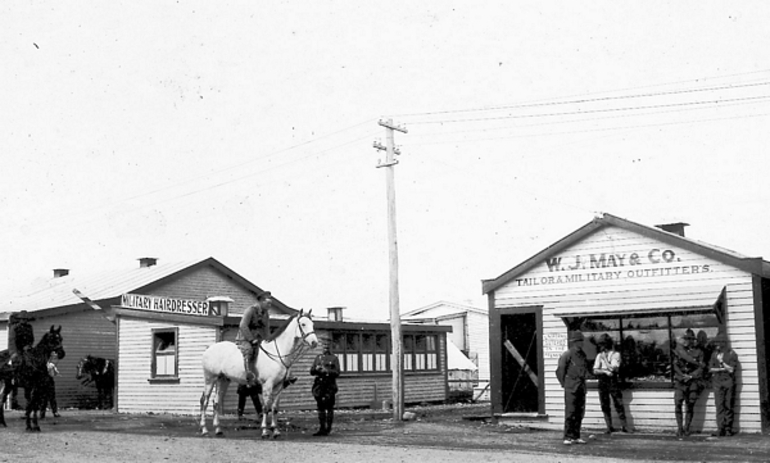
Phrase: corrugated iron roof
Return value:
(57, 292)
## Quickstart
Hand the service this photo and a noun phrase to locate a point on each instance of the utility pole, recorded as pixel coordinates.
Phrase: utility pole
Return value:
(397, 365)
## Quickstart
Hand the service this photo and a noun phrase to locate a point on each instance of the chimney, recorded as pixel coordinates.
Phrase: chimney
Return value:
(60, 272)
(677, 228)
(147, 261)
(335, 313)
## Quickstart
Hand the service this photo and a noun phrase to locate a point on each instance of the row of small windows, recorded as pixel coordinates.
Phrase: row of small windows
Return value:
(357, 352)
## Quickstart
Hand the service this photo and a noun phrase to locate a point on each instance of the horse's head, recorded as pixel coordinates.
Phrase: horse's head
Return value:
(305, 328)
(52, 342)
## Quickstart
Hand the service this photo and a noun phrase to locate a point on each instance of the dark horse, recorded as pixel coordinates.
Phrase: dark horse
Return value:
(101, 373)
(31, 374)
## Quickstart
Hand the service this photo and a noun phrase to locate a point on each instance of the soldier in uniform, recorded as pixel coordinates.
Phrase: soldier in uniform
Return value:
(253, 329)
(21, 339)
(722, 365)
(246, 391)
(572, 372)
(689, 369)
(326, 369)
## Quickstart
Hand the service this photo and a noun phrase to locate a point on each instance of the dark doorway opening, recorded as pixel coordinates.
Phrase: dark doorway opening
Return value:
(520, 392)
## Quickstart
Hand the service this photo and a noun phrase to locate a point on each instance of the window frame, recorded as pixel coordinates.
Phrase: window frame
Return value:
(156, 336)
(673, 332)
(419, 359)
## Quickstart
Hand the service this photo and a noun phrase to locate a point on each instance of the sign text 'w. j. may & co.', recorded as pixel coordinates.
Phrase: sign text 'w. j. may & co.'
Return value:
(582, 268)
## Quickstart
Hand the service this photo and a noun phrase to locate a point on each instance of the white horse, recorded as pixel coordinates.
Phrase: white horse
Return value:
(223, 363)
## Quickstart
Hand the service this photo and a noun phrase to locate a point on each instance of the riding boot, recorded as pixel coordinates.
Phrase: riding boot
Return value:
(322, 422)
(608, 422)
(679, 428)
(329, 421)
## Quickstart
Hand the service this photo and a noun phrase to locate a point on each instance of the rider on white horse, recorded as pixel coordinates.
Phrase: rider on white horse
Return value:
(254, 328)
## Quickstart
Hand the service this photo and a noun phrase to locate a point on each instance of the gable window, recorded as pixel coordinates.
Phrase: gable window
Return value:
(165, 356)
(645, 342)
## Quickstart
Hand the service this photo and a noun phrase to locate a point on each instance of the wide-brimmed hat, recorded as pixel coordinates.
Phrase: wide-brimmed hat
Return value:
(689, 335)
(263, 295)
(24, 315)
(576, 336)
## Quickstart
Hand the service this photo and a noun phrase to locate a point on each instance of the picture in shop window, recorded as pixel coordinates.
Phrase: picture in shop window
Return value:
(645, 343)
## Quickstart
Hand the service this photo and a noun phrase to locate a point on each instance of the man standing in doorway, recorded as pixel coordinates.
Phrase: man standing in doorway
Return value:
(572, 372)
(253, 329)
(688, 380)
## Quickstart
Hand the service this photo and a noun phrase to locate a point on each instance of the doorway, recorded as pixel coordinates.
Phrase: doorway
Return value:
(520, 368)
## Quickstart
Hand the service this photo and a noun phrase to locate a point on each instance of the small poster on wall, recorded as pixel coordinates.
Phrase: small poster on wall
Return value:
(554, 344)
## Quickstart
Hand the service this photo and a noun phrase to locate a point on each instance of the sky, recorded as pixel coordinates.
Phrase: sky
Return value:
(244, 131)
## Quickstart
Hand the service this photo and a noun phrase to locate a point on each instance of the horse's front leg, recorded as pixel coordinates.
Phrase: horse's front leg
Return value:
(267, 407)
(30, 413)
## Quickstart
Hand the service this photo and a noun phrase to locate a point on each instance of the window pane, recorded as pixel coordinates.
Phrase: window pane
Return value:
(383, 344)
(367, 342)
(408, 344)
(367, 362)
(431, 362)
(352, 342)
(351, 362)
(419, 361)
(419, 343)
(408, 362)
(646, 351)
(431, 343)
(381, 362)
(338, 343)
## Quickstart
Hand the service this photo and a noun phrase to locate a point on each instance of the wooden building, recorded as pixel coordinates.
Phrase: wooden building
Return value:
(470, 333)
(645, 286)
(156, 321)
(89, 332)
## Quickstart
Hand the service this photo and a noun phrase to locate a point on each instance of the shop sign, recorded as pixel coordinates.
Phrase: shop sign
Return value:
(584, 268)
(554, 344)
(170, 305)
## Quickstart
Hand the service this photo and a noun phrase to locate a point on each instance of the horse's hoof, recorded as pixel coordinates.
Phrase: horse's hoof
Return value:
(204, 433)
(276, 436)
(219, 433)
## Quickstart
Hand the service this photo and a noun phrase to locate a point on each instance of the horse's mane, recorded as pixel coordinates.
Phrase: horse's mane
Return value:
(280, 330)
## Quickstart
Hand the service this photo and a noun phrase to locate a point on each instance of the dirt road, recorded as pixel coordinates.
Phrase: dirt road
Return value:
(443, 435)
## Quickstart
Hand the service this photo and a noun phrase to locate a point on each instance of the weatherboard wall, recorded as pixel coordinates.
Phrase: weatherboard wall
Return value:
(137, 393)
(647, 408)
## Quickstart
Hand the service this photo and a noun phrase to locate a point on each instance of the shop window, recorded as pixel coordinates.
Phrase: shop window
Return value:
(645, 342)
(165, 356)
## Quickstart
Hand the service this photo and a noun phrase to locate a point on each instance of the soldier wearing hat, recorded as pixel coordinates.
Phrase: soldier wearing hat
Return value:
(722, 365)
(22, 336)
(689, 369)
(571, 373)
(326, 369)
(253, 329)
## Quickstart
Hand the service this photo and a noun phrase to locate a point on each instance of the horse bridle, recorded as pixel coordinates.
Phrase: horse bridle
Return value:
(299, 349)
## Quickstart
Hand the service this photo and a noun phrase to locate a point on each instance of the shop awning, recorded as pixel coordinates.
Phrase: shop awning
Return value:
(645, 301)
